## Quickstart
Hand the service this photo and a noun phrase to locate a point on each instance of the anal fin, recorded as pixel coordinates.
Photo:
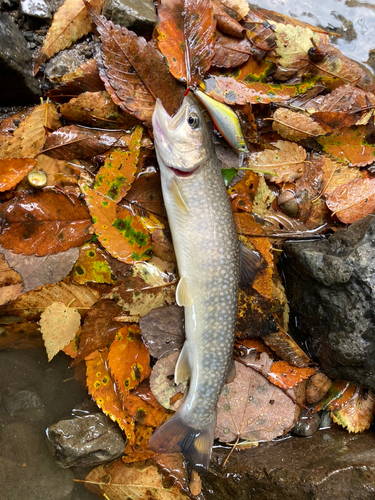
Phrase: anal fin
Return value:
(183, 297)
(231, 373)
(250, 264)
(177, 195)
(182, 370)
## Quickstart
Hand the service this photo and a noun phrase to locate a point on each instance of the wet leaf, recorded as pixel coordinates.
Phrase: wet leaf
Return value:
(242, 194)
(30, 305)
(59, 324)
(252, 408)
(140, 450)
(43, 223)
(96, 109)
(254, 315)
(24, 335)
(162, 382)
(186, 37)
(358, 413)
(13, 170)
(295, 126)
(39, 271)
(286, 162)
(141, 409)
(353, 200)
(236, 8)
(162, 330)
(116, 176)
(10, 282)
(316, 387)
(349, 145)
(122, 52)
(162, 246)
(286, 348)
(195, 484)
(230, 52)
(120, 232)
(146, 192)
(70, 23)
(119, 480)
(225, 23)
(338, 395)
(29, 137)
(101, 388)
(93, 265)
(98, 329)
(287, 376)
(57, 171)
(128, 360)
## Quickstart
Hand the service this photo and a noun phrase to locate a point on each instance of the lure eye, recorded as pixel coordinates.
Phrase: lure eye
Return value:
(242, 146)
(194, 120)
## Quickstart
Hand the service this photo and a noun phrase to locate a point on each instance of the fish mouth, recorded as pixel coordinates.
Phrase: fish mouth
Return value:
(182, 173)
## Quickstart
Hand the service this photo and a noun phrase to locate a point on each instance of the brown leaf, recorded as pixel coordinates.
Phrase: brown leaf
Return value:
(230, 52)
(70, 23)
(13, 170)
(146, 192)
(98, 329)
(162, 246)
(96, 109)
(10, 282)
(295, 126)
(139, 450)
(353, 200)
(24, 335)
(226, 24)
(186, 37)
(30, 305)
(316, 387)
(252, 408)
(39, 271)
(119, 480)
(286, 348)
(162, 382)
(358, 413)
(238, 9)
(162, 330)
(122, 52)
(43, 223)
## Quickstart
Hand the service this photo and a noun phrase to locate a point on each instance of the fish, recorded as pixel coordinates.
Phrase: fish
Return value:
(209, 258)
(227, 123)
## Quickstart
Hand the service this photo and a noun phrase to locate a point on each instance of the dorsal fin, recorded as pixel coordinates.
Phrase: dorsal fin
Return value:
(183, 297)
(250, 264)
(177, 195)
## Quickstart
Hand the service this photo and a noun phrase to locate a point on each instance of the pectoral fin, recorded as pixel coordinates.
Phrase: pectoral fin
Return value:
(231, 373)
(183, 297)
(177, 195)
(182, 370)
(250, 264)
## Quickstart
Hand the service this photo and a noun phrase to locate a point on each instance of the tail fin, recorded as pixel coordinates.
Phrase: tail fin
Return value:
(175, 435)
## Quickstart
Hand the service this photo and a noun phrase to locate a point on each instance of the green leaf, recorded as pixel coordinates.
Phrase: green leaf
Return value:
(228, 174)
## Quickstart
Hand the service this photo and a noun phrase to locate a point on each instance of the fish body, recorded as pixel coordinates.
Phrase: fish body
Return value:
(207, 251)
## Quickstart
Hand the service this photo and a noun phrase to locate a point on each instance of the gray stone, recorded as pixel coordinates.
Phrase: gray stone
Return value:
(137, 15)
(36, 8)
(84, 441)
(332, 464)
(23, 401)
(68, 60)
(17, 84)
(330, 285)
(306, 424)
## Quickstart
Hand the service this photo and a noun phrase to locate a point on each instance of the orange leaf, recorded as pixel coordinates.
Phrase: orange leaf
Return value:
(13, 170)
(287, 376)
(358, 413)
(101, 388)
(128, 360)
(337, 396)
(186, 37)
(144, 408)
(139, 450)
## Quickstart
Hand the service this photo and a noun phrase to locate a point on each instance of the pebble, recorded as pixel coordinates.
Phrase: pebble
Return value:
(306, 424)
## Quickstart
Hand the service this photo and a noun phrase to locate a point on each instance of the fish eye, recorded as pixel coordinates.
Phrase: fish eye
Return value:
(193, 120)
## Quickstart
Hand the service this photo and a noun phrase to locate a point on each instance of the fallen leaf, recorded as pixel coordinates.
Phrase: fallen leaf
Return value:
(59, 324)
(162, 382)
(128, 360)
(162, 330)
(186, 37)
(252, 408)
(337, 396)
(116, 176)
(316, 387)
(120, 232)
(286, 348)
(244, 345)
(286, 163)
(295, 126)
(98, 329)
(142, 411)
(349, 145)
(254, 315)
(39, 271)
(101, 388)
(230, 52)
(93, 265)
(146, 191)
(96, 109)
(140, 449)
(70, 23)
(43, 223)
(57, 171)
(122, 52)
(24, 335)
(30, 305)
(353, 200)
(162, 245)
(10, 282)
(358, 413)
(243, 192)
(29, 137)
(238, 8)
(119, 480)
(287, 376)
(225, 23)
(195, 484)
(13, 170)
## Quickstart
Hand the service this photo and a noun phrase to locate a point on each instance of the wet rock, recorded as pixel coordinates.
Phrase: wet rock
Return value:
(23, 401)
(36, 8)
(86, 440)
(331, 290)
(17, 84)
(332, 464)
(137, 15)
(68, 60)
(306, 424)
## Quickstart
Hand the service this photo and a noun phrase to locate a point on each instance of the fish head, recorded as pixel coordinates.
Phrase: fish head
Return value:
(183, 142)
